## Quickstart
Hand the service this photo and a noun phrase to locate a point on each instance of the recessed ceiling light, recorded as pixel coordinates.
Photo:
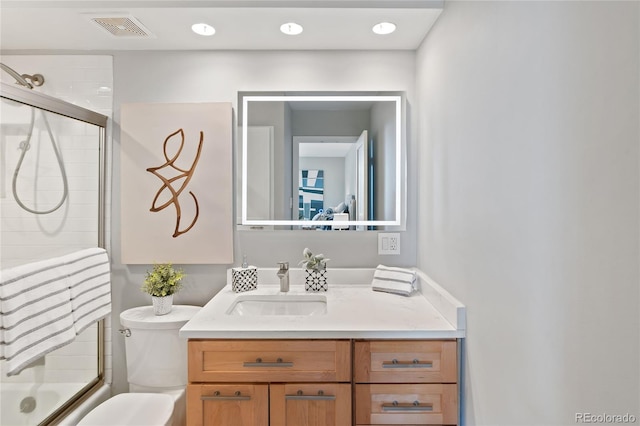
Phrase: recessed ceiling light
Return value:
(384, 28)
(291, 28)
(203, 29)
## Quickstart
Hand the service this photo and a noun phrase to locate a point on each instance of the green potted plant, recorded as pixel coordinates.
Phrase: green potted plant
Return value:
(316, 267)
(162, 282)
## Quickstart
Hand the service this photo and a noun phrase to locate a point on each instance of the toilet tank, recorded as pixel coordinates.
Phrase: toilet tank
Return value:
(156, 354)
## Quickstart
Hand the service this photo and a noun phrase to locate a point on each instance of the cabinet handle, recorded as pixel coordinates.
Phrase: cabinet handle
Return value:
(319, 397)
(409, 406)
(237, 396)
(279, 363)
(394, 363)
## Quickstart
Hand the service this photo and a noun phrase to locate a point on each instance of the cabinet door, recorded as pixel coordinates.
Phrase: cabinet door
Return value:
(406, 404)
(317, 404)
(228, 405)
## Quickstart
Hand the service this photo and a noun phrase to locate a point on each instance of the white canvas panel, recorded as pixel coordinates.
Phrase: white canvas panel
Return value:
(176, 183)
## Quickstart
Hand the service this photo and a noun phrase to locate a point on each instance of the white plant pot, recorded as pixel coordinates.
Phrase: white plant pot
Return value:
(162, 305)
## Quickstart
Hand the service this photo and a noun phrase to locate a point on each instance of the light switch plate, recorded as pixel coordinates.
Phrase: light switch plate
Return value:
(388, 243)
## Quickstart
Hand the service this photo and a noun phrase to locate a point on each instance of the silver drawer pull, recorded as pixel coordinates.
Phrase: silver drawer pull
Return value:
(394, 363)
(408, 406)
(237, 396)
(319, 397)
(279, 363)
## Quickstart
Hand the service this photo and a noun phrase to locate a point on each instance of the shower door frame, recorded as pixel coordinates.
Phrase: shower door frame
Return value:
(57, 106)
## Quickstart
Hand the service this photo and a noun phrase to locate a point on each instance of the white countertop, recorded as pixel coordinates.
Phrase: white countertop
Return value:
(353, 311)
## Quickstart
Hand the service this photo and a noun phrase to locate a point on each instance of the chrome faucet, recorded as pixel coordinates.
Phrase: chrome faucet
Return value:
(283, 273)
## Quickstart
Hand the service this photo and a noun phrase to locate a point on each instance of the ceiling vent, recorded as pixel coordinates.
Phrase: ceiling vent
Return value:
(123, 26)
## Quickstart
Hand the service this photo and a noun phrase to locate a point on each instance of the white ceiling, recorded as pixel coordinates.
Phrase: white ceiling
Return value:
(43, 25)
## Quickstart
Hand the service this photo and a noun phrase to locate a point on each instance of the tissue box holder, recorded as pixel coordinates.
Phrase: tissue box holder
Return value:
(244, 279)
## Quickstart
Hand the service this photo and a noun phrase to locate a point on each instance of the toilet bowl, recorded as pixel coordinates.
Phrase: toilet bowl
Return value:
(156, 370)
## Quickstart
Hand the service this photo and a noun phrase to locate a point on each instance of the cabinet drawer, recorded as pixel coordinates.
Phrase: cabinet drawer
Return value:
(405, 361)
(224, 404)
(416, 404)
(269, 360)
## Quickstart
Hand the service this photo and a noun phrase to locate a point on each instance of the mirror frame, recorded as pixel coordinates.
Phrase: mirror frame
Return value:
(397, 99)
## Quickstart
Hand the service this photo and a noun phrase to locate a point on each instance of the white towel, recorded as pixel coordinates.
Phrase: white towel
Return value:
(89, 278)
(394, 280)
(35, 312)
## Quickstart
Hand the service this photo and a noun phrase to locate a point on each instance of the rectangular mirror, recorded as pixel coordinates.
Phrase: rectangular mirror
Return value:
(321, 162)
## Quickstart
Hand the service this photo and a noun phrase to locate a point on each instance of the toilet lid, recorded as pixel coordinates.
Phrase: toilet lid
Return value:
(139, 409)
(143, 317)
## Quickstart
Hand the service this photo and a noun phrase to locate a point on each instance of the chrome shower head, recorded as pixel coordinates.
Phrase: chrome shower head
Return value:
(36, 79)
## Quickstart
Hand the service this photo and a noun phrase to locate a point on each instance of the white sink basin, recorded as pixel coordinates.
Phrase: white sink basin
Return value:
(278, 304)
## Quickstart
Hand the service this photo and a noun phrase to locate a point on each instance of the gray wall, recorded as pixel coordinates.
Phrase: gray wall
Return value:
(383, 131)
(529, 130)
(218, 77)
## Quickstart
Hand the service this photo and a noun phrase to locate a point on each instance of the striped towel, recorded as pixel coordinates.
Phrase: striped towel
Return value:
(35, 312)
(394, 280)
(89, 278)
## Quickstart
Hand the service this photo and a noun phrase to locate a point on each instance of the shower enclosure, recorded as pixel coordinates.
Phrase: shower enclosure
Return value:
(52, 186)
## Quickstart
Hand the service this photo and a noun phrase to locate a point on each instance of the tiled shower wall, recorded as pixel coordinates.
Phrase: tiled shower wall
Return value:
(86, 81)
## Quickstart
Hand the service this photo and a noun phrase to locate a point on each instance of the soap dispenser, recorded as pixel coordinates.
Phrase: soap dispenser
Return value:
(244, 278)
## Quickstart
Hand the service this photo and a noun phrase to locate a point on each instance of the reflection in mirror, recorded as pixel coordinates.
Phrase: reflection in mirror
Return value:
(310, 194)
(321, 162)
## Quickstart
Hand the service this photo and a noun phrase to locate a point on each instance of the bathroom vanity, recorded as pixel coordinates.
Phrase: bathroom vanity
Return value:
(348, 356)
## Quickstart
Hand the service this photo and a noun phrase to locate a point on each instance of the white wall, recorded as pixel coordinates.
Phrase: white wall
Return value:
(219, 76)
(529, 130)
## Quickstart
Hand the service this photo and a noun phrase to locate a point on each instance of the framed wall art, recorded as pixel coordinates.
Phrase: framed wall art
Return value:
(176, 183)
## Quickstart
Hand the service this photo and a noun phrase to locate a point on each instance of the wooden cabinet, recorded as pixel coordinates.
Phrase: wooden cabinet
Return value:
(269, 361)
(405, 382)
(312, 404)
(230, 405)
(406, 404)
(269, 382)
(311, 383)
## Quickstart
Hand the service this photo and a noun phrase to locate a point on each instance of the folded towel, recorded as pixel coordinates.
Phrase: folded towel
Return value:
(394, 280)
(89, 278)
(35, 312)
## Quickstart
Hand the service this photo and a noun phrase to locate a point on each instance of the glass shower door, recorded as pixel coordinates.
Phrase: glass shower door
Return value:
(51, 204)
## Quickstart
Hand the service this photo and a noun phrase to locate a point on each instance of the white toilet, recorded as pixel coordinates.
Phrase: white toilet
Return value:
(156, 371)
